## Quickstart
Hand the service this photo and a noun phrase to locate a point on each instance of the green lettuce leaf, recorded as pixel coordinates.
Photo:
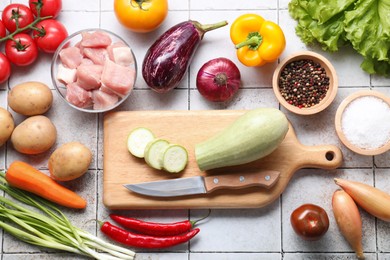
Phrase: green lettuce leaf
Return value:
(364, 24)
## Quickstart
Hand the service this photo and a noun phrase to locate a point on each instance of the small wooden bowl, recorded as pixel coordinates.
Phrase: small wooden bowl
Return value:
(330, 72)
(338, 126)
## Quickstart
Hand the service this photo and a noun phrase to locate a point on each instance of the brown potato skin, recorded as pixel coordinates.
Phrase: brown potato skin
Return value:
(34, 135)
(69, 161)
(30, 98)
(7, 125)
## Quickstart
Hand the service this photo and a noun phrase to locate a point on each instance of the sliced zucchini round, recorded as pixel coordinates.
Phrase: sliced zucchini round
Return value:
(154, 151)
(175, 158)
(137, 141)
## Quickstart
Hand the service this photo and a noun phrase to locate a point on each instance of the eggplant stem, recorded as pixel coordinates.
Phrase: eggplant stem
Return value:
(209, 27)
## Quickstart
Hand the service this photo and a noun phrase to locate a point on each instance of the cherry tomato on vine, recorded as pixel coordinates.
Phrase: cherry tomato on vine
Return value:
(48, 7)
(309, 221)
(16, 12)
(50, 35)
(3, 31)
(141, 15)
(5, 68)
(21, 51)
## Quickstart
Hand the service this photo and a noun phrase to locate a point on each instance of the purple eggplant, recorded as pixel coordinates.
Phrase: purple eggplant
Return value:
(167, 60)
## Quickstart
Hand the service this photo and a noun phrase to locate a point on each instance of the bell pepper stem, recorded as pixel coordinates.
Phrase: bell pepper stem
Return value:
(253, 41)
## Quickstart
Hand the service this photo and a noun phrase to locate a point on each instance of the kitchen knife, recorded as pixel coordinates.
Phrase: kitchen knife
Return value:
(203, 185)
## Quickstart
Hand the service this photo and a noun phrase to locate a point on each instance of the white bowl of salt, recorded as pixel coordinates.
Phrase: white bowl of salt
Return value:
(363, 122)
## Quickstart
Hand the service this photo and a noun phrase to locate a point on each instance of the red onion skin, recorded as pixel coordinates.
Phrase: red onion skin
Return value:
(218, 80)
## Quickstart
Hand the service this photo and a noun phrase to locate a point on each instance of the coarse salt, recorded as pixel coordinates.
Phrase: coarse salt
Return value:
(366, 122)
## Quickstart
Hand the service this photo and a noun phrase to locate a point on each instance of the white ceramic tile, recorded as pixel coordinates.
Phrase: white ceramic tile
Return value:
(232, 256)
(81, 6)
(317, 187)
(231, 5)
(227, 230)
(325, 256)
(383, 256)
(161, 256)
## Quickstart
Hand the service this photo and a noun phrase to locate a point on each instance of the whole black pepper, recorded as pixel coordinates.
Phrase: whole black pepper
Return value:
(303, 83)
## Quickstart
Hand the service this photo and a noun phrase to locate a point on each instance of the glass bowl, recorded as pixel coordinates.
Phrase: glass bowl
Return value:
(92, 101)
(329, 71)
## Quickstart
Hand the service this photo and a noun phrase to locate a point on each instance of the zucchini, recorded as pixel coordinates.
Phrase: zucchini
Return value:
(175, 158)
(250, 137)
(154, 153)
(137, 141)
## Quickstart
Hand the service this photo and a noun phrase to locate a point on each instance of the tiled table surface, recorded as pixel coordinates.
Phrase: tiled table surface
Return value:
(263, 233)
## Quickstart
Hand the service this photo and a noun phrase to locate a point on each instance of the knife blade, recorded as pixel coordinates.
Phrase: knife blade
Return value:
(204, 185)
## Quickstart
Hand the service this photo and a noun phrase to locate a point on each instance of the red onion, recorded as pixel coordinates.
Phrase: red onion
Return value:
(218, 80)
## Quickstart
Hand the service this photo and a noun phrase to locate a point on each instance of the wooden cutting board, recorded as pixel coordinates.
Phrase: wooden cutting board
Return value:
(189, 128)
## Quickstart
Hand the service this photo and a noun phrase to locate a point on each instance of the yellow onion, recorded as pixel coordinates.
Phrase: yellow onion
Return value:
(371, 199)
(348, 220)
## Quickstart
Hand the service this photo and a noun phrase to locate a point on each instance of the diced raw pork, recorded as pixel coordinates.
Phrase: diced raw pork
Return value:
(66, 75)
(86, 61)
(88, 76)
(102, 100)
(118, 78)
(97, 55)
(71, 57)
(121, 55)
(78, 96)
(96, 39)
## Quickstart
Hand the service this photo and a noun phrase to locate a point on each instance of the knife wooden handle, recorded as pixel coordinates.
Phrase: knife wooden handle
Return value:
(264, 179)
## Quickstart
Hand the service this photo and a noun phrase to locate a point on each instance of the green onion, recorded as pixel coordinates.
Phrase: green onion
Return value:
(49, 227)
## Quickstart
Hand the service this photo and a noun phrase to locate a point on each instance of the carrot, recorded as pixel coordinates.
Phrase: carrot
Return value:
(25, 177)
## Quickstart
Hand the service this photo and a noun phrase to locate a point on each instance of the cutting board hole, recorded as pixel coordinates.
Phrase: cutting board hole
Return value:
(329, 155)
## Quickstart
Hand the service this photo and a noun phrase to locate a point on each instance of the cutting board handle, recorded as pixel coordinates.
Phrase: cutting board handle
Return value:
(321, 156)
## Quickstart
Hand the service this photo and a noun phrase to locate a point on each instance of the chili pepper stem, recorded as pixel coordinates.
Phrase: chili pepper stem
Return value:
(253, 41)
(194, 222)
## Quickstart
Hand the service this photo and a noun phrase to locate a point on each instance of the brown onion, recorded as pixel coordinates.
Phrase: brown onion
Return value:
(218, 80)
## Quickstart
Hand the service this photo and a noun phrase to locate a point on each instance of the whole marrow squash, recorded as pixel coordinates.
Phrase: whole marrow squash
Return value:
(252, 136)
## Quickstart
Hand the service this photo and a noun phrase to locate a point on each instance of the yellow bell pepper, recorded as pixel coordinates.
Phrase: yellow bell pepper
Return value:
(257, 41)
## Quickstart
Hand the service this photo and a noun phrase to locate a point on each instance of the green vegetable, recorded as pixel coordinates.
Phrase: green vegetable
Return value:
(252, 136)
(138, 140)
(175, 158)
(363, 24)
(154, 153)
(50, 228)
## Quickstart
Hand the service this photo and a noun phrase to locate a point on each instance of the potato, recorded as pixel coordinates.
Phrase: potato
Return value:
(69, 161)
(34, 135)
(7, 125)
(30, 98)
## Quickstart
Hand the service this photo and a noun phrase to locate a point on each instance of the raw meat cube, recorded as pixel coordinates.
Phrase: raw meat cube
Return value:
(88, 76)
(71, 57)
(66, 75)
(96, 39)
(118, 78)
(102, 100)
(97, 55)
(78, 96)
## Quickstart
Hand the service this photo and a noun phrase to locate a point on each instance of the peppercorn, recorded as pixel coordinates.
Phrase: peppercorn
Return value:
(303, 83)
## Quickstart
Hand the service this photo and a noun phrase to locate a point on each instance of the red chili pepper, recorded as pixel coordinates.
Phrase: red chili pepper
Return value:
(156, 229)
(144, 241)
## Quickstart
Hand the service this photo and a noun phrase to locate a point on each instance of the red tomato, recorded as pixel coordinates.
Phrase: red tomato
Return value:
(14, 12)
(310, 221)
(5, 68)
(23, 52)
(3, 31)
(52, 34)
(48, 7)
